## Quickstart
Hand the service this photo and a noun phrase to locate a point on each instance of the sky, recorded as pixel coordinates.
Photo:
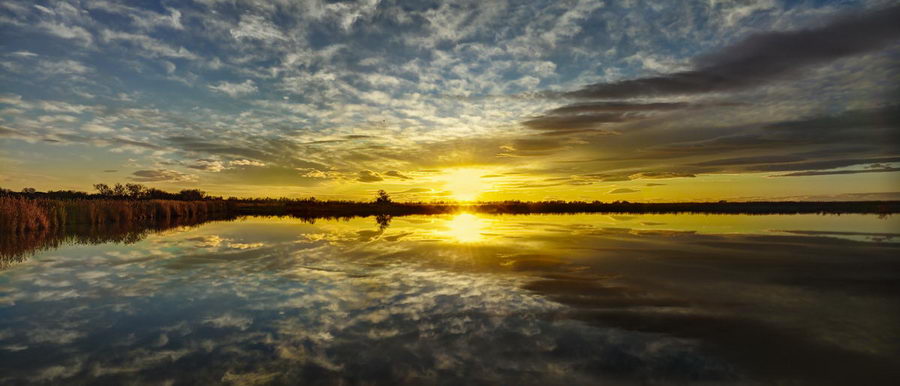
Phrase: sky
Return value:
(455, 100)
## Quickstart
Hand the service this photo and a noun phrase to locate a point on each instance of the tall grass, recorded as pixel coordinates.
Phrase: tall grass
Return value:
(22, 215)
(19, 214)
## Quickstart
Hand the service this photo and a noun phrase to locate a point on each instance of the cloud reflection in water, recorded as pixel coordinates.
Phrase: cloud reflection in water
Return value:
(505, 299)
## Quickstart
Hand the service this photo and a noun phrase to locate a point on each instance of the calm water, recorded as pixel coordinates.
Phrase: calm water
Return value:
(535, 299)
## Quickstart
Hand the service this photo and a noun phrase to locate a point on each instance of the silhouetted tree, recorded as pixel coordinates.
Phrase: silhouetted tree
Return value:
(119, 190)
(136, 191)
(191, 194)
(29, 190)
(383, 197)
(157, 194)
(103, 189)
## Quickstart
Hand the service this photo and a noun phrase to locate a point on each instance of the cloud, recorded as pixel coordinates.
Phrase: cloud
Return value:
(149, 47)
(835, 172)
(579, 117)
(315, 173)
(762, 57)
(655, 175)
(576, 121)
(623, 191)
(207, 165)
(618, 107)
(245, 162)
(66, 31)
(414, 190)
(369, 176)
(62, 67)
(255, 27)
(161, 175)
(230, 320)
(95, 128)
(396, 174)
(235, 89)
(8, 132)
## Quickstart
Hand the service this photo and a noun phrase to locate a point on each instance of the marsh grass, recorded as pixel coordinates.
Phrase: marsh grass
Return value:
(21, 215)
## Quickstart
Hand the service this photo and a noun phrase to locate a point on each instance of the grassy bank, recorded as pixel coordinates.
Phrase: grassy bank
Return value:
(18, 214)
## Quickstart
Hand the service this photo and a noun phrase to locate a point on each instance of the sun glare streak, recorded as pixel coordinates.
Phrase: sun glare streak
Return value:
(466, 228)
(465, 184)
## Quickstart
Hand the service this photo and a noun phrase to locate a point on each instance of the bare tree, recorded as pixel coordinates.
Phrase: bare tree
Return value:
(103, 189)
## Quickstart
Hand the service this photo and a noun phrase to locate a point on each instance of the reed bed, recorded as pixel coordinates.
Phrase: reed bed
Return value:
(18, 214)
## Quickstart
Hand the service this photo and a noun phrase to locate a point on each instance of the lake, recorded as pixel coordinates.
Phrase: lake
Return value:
(464, 298)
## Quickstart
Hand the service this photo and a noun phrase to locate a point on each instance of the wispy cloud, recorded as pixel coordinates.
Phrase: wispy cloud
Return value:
(235, 89)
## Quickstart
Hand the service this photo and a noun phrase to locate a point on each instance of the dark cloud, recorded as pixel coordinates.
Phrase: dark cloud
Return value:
(655, 175)
(608, 107)
(849, 138)
(396, 174)
(762, 58)
(369, 176)
(76, 138)
(833, 172)
(631, 107)
(752, 160)
(607, 177)
(574, 123)
(200, 145)
(414, 190)
(628, 176)
(820, 165)
(208, 165)
(526, 147)
(623, 191)
(160, 175)
(578, 117)
(8, 132)
(110, 171)
(126, 141)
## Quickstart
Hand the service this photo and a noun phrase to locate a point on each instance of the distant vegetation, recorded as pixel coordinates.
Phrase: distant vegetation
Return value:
(30, 210)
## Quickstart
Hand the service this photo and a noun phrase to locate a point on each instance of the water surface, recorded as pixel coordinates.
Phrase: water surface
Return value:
(515, 299)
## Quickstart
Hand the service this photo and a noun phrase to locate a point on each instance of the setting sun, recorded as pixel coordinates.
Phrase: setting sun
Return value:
(465, 184)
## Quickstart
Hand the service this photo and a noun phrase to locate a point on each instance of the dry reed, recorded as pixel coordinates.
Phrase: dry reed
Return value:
(24, 215)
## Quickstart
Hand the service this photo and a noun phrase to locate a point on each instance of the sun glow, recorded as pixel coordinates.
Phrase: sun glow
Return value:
(465, 184)
(466, 228)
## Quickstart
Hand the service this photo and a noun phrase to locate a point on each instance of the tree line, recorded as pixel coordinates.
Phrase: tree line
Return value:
(117, 191)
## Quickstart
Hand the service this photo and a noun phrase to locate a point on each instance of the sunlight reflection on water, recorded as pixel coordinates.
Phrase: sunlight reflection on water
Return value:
(462, 298)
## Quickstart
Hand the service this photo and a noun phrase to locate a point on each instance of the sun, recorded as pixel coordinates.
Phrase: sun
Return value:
(464, 184)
